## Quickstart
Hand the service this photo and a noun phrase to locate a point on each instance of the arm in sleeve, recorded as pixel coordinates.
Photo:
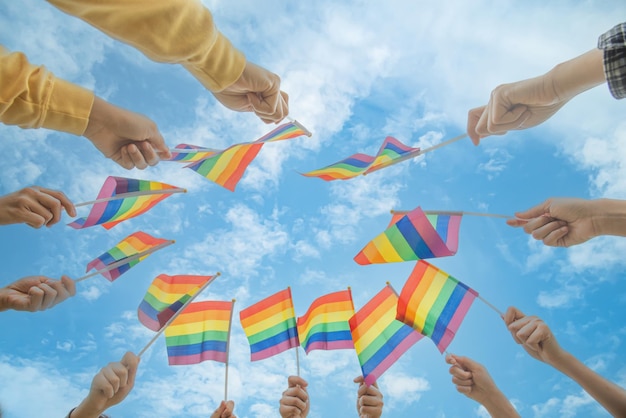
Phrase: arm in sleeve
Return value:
(613, 43)
(170, 31)
(32, 97)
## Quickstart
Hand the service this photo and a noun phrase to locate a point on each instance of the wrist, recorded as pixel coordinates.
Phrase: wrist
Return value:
(577, 75)
(4, 303)
(609, 217)
(499, 406)
(86, 410)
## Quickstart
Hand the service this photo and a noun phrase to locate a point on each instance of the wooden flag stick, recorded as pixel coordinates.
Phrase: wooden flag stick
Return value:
(192, 150)
(392, 289)
(297, 361)
(133, 194)
(414, 154)
(454, 212)
(491, 305)
(178, 312)
(125, 260)
(232, 308)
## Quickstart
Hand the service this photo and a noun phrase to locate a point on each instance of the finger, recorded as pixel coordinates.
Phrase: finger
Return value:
(536, 211)
(537, 223)
(358, 379)
(33, 219)
(49, 296)
(63, 200)
(121, 372)
(506, 119)
(516, 223)
(159, 145)
(49, 208)
(62, 292)
(361, 391)
(112, 379)
(370, 400)
(473, 116)
(69, 284)
(136, 157)
(555, 238)
(512, 314)
(294, 381)
(148, 153)
(369, 411)
(481, 125)
(102, 385)
(462, 382)
(542, 232)
(465, 390)
(124, 158)
(459, 373)
(36, 296)
(294, 402)
(538, 336)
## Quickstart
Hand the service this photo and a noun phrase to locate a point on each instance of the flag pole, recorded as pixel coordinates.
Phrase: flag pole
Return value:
(133, 194)
(414, 154)
(125, 260)
(192, 150)
(232, 308)
(297, 361)
(178, 312)
(491, 305)
(455, 212)
(392, 289)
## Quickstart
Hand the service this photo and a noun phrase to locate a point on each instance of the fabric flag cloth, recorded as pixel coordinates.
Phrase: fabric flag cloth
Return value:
(131, 246)
(358, 164)
(414, 236)
(380, 339)
(199, 333)
(325, 325)
(434, 303)
(193, 153)
(270, 325)
(165, 296)
(228, 166)
(110, 213)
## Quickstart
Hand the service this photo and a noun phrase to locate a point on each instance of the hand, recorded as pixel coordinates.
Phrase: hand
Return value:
(534, 335)
(559, 222)
(34, 206)
(109, 387)
(295, 401)
(369, 401)
(128, 138)
(472, 379)
(36, 293)
(225, 410)
(258, 91)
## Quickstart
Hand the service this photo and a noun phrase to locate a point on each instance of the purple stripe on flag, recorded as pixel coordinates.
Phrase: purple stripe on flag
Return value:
(275, 349)
(395, 354)
(456, 320)
(198, 358)
(428, 234)
(329, 345)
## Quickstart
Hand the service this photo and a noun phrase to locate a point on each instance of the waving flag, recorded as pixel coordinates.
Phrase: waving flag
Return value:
(270, 325)
(325, 325)
(228, 166)
(165, 296)
(434, 303)
(199, 333)
(357, 164)
(380, 339)
(185, 153)
(126, 254)
(414, 236)
(122, 198)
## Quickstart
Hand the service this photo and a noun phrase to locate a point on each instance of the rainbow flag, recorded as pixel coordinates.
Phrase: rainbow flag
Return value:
(325, 325)
(380, 339)
(193, 153)
(143, 195)
(357, 164)
(414, 236)
(126, 254)
(228, 166)
(165, 296)
(434, 303)
(199, 333)
(270, 325)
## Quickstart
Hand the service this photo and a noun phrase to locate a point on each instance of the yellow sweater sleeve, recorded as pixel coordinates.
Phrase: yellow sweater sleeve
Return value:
(171, 31)
(32, 97)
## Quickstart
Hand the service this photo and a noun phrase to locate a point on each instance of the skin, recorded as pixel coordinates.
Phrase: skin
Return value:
(35, 206)
(225, 410)
(36, 293)
(295, 400)
(369, 401)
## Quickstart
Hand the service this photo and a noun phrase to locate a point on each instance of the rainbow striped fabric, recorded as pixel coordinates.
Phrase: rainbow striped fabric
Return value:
(191, 156)
(228, 166)
(108, 214)
(135, 247)
(414, 236)
(165, 296)
(380, 339)
(358, 164)
(325, 325)
(434, 303)
(270, 325)
(199, 333)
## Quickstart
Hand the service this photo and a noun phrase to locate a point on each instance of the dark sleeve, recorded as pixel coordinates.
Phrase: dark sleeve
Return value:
(613, 43)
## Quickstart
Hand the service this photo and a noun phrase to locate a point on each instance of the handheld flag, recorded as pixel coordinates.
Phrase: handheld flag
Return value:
(199, 333)
(380, 339)
(165, 296)
(126, 254)
(414, 236)
(270, 325)
(186, 153)
(228, 166)
(434, 303)
(122, 198)
(325, 325)
(358, 164)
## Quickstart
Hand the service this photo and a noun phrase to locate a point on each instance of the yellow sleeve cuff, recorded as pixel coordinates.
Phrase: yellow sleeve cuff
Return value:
(68, 108)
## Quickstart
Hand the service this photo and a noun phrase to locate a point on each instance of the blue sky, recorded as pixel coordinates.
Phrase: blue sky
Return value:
(355, 72)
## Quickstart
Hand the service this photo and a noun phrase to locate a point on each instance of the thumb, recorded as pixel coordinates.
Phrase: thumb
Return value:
(535, 211)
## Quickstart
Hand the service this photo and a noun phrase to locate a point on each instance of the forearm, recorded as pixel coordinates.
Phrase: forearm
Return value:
(499, 406)
(4, 303)
(172, 31)
(608, 394)
(577, 75)
(609, 217)
(32, 97)
(86, 410)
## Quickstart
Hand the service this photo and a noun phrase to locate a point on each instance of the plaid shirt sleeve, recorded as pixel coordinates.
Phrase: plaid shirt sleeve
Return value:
(613, 43)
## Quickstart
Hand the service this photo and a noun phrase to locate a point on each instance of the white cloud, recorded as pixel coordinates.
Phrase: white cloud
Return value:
(560, 297)
(498, 161)
(400, 388)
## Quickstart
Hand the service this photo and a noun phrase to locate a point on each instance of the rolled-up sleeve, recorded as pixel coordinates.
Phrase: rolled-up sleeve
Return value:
(613, 43)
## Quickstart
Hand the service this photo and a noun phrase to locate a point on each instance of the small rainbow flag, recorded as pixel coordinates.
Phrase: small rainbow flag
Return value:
(357, 164)
(434, 303)
(228, 166)
(325, 325)
(414, 236)
(380, 339)
(270, 325)
(199, 333)
(122, 198)
(165, 296)
(126, 254)
(190, 153)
